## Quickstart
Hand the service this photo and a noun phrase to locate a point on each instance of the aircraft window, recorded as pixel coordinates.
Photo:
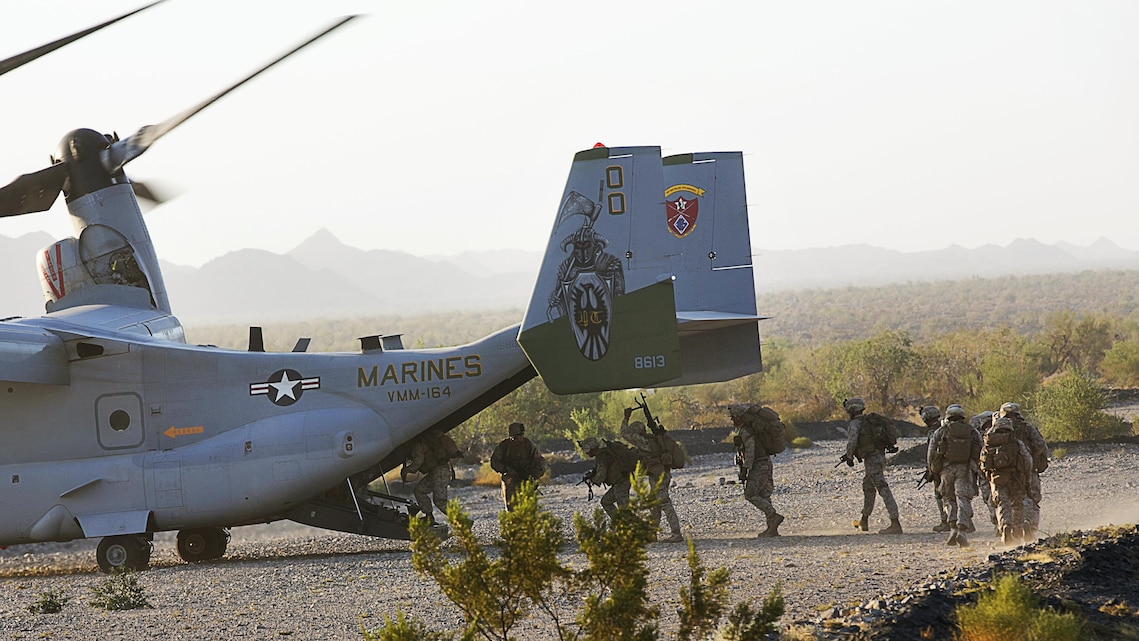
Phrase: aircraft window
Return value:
(120, 420)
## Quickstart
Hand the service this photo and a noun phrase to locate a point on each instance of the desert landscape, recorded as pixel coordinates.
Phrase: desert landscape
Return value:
(284, 579)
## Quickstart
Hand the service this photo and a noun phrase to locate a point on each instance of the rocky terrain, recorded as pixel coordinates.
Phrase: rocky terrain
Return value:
(283, 579)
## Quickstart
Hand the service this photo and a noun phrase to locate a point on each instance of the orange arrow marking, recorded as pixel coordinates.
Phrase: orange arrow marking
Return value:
(175, 432)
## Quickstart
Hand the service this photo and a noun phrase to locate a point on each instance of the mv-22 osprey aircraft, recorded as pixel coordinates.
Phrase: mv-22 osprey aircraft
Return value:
(115, 427)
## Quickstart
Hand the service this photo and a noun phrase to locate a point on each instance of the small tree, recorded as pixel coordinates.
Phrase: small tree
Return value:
(616, 604)
(494, 594)
(1070, 407)
(703, 601)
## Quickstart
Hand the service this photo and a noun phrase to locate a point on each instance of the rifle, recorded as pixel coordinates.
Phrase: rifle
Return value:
(845, 459)
(650, 421)
(925, 477)
(588, 480)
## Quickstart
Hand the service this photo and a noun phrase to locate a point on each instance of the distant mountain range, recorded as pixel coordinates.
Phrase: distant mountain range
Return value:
(325, 278)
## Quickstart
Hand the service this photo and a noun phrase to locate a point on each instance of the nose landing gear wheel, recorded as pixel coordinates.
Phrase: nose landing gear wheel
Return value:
(202, 544)
(123, 552)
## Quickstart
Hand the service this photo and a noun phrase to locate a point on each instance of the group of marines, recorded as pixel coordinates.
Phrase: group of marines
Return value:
(1006, 456)
(998, 455)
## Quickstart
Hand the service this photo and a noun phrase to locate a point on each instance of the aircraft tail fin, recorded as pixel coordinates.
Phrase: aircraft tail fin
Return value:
(647, 277)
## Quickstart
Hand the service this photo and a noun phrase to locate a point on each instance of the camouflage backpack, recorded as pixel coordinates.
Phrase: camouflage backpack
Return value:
(956, 443)
(1001, 453)
(672, 455)
(770, 432)
(877, 433)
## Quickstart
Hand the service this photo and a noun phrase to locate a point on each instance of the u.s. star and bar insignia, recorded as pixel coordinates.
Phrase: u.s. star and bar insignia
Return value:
(284, 387)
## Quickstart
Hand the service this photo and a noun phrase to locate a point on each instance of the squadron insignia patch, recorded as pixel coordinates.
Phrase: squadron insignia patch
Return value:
(681, 212)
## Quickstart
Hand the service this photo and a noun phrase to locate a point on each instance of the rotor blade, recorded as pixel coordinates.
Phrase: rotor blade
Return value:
(32, 192)
(28, 56)
(131, 147)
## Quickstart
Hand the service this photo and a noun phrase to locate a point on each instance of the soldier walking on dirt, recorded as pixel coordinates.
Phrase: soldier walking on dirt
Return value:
(1028, 434)
(613, 464)
(651, 456)
(431, 456)
(865, 443)
(982, 422)
(517, 460)
(951, 452)
(1006, 462)
(931, 416)
(759, 481)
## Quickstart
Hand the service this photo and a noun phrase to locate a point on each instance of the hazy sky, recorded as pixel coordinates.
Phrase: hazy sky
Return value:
(445, 126)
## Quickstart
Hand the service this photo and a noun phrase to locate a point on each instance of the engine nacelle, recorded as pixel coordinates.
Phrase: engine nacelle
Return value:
(101, 256)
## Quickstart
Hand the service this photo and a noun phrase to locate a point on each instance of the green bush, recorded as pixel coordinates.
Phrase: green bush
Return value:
(1059, 453)
(802, 443)
(526, 577)
(119, 591)
(49, 602)
(403, 629)
(1011, 613)
(1069, 407)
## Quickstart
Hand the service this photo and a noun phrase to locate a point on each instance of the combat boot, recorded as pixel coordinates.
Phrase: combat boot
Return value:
(863, 524)
(773, 522)
(961, 540)
(675, 537)
(942, 527)
(894, 528)
(1029, 534)
(953, 534)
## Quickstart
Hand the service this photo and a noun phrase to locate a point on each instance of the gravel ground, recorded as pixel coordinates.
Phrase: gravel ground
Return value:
(284, 579)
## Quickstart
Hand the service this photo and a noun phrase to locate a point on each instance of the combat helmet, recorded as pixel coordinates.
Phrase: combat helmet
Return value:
(516, 429)
(1010, 408)
(929, 413)
(983, 420)
(955, 411)
(854, 405)
(589, 444)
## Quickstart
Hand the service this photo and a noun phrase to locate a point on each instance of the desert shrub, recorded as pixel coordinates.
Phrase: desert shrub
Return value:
(495, 595)
(49, 602)
(119, 591)
(746, 624)
(1010, 612)
(1059, 453)
(404, 629)
(1069, 407)
(802, 443)
(703, 601)
(485, 476)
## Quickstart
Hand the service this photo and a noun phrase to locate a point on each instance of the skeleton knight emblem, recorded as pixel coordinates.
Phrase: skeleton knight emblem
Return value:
(587, 281)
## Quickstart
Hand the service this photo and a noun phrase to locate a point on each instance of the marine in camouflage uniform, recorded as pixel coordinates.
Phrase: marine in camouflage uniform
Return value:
(431, 456)
(873, 455)
(982, 422)
(953, 461)
(650, 452)
(517, 460)
(931, 416)
(760, 482)
(1028, 434)
(613, 465)
(1009, 484)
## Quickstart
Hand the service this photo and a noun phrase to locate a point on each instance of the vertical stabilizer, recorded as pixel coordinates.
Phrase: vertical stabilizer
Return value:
(631, 262)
